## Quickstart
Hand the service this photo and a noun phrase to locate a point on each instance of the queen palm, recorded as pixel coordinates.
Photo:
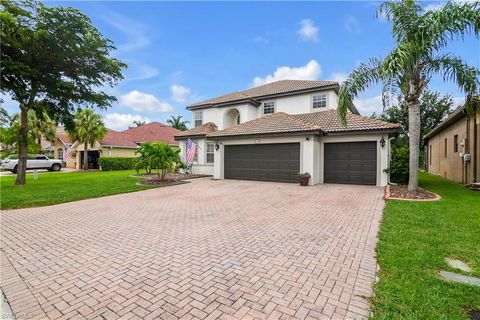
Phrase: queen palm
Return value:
(177, 122)
(88, 129)
(420, 38)
(41, 127)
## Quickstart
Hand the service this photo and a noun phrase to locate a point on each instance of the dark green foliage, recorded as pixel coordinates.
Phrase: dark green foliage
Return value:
(399, 164)
(117, 163)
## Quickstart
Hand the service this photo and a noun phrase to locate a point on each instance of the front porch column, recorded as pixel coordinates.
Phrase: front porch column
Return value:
(218, 161)
(308, 159)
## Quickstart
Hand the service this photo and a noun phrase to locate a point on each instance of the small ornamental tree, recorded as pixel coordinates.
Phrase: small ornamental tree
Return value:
(53, 60)
(158, 156)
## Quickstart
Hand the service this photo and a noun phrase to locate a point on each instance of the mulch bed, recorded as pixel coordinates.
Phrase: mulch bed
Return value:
(401, 192)
(171, 179)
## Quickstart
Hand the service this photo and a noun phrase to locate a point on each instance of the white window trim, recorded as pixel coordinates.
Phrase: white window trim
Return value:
(206, 153)
(319, 94)
(195, 117)
(274, 107)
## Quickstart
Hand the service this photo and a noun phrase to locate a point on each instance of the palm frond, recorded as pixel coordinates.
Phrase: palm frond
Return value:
(403, 16)
(364, 76)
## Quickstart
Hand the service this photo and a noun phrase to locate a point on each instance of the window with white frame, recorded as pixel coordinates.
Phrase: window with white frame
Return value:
(210, 151)
(198, 118)
(319, 101)
(268, 107)
(60, 153)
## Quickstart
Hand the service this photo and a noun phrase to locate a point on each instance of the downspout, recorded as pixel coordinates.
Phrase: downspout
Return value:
(475, 147)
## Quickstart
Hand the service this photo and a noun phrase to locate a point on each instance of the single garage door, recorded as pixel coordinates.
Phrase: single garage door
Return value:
(267, 162)
(351, 162)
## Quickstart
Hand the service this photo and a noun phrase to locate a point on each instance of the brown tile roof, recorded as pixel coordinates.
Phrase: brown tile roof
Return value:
(153, 132)
(273, 88)
(324, 121)
(329, 121)
(202, 130)
(118, 139)
(64, 138)
(279, 122)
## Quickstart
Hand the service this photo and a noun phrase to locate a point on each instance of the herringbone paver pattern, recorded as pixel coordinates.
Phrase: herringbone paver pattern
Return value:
(204, 250)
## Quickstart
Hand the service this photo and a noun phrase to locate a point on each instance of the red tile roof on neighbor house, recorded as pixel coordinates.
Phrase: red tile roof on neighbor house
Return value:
(64, 138)
(118, 139)
(153, 132)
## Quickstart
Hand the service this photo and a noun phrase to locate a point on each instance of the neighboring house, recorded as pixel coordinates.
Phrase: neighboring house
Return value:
(275, 131)
(453, 150)
(114, 144)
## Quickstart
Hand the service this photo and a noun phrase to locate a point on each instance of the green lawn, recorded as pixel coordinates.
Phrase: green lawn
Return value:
(414, 239)
(52, 188)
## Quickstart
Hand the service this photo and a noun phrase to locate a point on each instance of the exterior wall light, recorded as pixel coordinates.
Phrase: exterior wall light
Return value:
(382, 143)
(217, 146)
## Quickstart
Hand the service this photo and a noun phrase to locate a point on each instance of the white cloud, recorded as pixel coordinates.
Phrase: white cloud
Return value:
(351, 24)
(180, 93)
(308, 30)
(367, 106)
(117, 121)
(310, 71)
(133, 31)
(144, 102)
(339, 77)
(261, 39)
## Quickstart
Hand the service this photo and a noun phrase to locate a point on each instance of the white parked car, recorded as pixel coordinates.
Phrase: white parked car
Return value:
(38, 161)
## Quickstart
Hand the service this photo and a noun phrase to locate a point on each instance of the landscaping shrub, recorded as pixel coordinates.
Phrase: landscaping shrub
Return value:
(399, 164)
(117, 163)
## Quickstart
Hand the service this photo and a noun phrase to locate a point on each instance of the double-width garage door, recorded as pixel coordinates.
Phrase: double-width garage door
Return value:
(351, 162)
(267, 162)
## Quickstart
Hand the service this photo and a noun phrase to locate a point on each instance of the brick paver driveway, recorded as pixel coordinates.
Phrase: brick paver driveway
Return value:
(208, 249)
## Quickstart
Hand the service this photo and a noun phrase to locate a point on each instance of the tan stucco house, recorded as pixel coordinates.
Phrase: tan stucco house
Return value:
(275, 131)
(453, 148)
(114, 144)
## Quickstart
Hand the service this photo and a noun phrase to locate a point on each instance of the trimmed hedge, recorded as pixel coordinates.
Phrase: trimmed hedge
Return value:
(117, 163)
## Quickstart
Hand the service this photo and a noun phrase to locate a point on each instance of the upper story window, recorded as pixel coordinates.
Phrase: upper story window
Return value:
(197, 118)
(455, 143)
(268, 107)
(210, 151)
(319, 101)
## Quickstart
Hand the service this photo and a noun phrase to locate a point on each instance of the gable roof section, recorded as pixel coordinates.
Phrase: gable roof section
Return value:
(118, 139)
(266, 90)
(64, 138)
(323, 122)
(329, 122)
(202, 130)
(152, 132)
(275, 123)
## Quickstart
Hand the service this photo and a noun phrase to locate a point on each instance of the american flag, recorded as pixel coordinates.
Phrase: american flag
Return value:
(67, 152)
(191, 150)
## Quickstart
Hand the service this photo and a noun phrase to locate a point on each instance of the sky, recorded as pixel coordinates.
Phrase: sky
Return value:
(179, 53)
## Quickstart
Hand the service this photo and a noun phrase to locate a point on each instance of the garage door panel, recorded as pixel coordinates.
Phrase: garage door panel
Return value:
(269, 162)
(350, 162)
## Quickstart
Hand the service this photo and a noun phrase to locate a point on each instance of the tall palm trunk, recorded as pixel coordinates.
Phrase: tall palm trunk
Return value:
(413, 103)
(22, 147)
(85, 156)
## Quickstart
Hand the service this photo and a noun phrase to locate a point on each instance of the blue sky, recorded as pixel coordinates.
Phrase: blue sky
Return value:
(179, 53)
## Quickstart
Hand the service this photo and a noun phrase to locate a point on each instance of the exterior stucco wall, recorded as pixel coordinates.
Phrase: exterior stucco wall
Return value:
(296, 104)
(449, 165)
(118, 152)
(452, 166)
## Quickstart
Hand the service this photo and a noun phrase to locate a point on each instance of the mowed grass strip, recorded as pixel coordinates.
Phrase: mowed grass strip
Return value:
(60, 187)
(414, 239)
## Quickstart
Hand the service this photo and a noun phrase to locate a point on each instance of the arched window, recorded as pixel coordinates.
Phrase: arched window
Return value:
(60, 153)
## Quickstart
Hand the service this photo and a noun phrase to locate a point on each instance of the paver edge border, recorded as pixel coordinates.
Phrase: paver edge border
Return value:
(388, 197)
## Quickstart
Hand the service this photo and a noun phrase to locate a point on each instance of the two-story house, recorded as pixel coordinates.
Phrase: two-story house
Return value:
(276, 131)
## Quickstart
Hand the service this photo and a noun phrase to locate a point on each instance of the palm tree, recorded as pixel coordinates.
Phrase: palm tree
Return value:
(138, 123)
(41, 127)
(177, 122)
(8, 120)
(88, 129)
(419, 36)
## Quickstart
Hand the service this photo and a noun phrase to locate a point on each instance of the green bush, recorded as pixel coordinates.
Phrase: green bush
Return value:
(399, 164)
(117, 163)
